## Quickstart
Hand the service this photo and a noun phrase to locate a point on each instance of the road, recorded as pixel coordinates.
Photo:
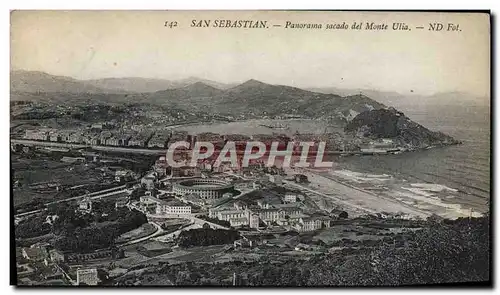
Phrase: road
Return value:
(94, 147)
(168, 237)
(201, 222)
(68, 277)
(120, 149)
(95, 195)
(194, 219)
(196, 223)
(158, 231)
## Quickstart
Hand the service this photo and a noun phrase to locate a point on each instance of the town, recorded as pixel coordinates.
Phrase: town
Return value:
(157, 212)
(126, 194)
(120, 194)
(344, 148)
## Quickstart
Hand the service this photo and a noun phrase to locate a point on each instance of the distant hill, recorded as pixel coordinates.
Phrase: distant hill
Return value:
(215, 84)
(361, 116)
(32, 81)
(184, 94)
(249, 99)
(144, 85)
(408, 101)
(258, 99)
(131, 84)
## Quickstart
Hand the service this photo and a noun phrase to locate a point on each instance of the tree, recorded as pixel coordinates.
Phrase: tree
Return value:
(206, 237)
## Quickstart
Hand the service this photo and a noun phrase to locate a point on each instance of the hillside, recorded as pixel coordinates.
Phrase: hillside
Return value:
(131, 84)
(390, 123)
(408, 101)
(34, 82)
(214, 84)
(149, 85)
(361, 116)
(197, 89)
(251, 99)
(37, 82)
(257, 99)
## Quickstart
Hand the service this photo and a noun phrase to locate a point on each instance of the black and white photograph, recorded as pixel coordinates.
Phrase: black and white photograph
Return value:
(257, 148)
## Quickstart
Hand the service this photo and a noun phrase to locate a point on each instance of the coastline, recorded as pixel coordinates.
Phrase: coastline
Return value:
(384, 194)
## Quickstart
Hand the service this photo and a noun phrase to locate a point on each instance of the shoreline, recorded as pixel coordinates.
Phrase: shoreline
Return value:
(412, 200)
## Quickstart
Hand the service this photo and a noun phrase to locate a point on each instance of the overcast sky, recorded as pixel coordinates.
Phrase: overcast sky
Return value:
(89, 45)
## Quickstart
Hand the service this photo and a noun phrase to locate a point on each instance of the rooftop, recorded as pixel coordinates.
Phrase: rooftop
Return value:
(35, 253)
(239, 219)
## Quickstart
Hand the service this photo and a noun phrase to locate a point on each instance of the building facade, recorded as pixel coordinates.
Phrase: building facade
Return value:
(177, 208)
(87, 276)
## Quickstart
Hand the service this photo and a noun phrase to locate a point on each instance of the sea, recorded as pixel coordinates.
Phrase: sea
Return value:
(464, 167)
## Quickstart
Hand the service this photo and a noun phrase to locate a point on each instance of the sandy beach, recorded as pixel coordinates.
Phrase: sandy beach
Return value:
(361, 193)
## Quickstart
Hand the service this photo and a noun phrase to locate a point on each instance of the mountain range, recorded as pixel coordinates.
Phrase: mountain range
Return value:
(409, 100)
(249, 99)
(145, 85)
(357, 112)
(41, 82)
(35, 81)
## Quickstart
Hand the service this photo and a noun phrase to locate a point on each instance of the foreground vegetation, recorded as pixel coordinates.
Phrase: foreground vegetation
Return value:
(206, 237)
(83, 232)
(444, 252)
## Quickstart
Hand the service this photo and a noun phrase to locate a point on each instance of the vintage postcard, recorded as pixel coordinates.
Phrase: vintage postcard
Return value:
(250, 148)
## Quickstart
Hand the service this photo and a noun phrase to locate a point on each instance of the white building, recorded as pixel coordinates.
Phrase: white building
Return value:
(313, 223)
(290, 198)
(253, 216)
(173, 207)
(227, 215)
(87, 277)
(254, 220)
(41, 134)
(276, 179)
(85, 205)
(235, 222)
(122, 175)
(148, 204)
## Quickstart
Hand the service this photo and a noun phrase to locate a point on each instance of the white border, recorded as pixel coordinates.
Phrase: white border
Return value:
(200, 5)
